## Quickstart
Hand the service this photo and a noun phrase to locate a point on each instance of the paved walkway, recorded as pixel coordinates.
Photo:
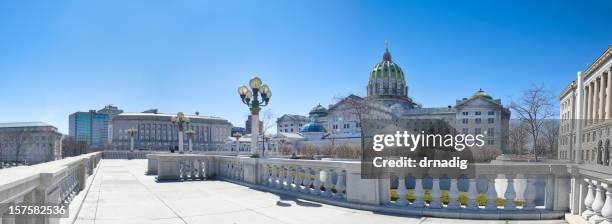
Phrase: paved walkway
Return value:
(121, 193)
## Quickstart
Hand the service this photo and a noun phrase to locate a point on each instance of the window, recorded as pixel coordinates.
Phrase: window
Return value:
(477, 120)
(491, 120)
(464, 120)
(477, 113)
(465, 131)
(477, 131)
(465, 113)
(491, 113)
(291, 129)
(491, 132)
(491, 142)
(358, 124)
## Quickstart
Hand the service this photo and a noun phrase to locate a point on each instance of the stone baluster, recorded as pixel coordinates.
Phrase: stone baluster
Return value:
(418, 193)
(281, 177)
(401, 191)
(306, 188)
(491, 193)
(288, 179)
(606, 211)
(598, 203)
(588, 200)
(435, 194)
(272, 182)
(453, 195)
(297, 180)
(510, 193)
(328, 183)
(193, 169)
(472, 195)
(317, 182)
(340, 185)
(529, 194)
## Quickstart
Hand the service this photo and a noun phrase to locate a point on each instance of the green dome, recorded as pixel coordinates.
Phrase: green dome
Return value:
(481, 93)
(319, 110)
(387, 79)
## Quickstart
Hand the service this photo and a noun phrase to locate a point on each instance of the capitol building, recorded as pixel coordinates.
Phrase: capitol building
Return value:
(387, 97)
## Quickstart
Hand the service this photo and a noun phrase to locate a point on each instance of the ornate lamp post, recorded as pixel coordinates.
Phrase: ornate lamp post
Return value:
(181, 121)
(237, 135)
(251, 99)
(132, 132)
(190, 133)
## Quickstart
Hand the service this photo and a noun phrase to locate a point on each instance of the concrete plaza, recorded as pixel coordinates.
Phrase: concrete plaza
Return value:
(120, 192)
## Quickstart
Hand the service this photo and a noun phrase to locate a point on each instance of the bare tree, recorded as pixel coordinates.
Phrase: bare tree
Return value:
(362, 109)
(550, 134)
(518, 137)
(533, 108)
(267, 120)
(17, 140)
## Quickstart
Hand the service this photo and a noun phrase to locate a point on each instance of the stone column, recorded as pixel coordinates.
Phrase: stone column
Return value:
(306, 188)
(588, 200)
(418, 193)
(453, 195)
(579, 116)
(491, 193)
(510, 194)
(435, 194)
(587, 104)
(472, 195)
(602, 102)
(608, 95)
(592, 101)
(606, 211)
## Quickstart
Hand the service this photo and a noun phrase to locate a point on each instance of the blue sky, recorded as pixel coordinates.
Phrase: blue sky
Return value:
(58, 57)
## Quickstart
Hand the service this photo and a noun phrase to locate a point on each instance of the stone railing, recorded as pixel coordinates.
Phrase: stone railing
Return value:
(136, 154)
(340, 183)
(591, 196)
(55, 182)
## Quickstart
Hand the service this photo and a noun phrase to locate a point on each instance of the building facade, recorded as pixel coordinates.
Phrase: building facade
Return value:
(586, 112)
(387, 98)
(28, 142)
(290, 123)
(157, 132)
(92, 126)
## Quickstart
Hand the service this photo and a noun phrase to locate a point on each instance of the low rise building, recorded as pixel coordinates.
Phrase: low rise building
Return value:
(28, 142)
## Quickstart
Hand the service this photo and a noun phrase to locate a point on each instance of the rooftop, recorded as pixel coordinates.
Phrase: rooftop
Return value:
(24, 124)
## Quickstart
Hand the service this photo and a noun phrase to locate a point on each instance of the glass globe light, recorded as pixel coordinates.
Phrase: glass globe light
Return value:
(264, 89)
(242, 90)
(248, 95)
(255, 82)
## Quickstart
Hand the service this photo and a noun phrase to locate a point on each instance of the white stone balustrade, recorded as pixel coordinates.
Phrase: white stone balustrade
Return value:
(52, 182)
(340, 183)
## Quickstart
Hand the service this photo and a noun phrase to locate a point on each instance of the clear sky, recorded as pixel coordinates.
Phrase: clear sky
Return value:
(58, 57)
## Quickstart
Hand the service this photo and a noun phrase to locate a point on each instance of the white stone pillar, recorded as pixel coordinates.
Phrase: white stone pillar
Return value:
(281, 178)
(401, 190)
(190, 145)
(579, 116)
(255, 133)
(180, 141)
(272, 176)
